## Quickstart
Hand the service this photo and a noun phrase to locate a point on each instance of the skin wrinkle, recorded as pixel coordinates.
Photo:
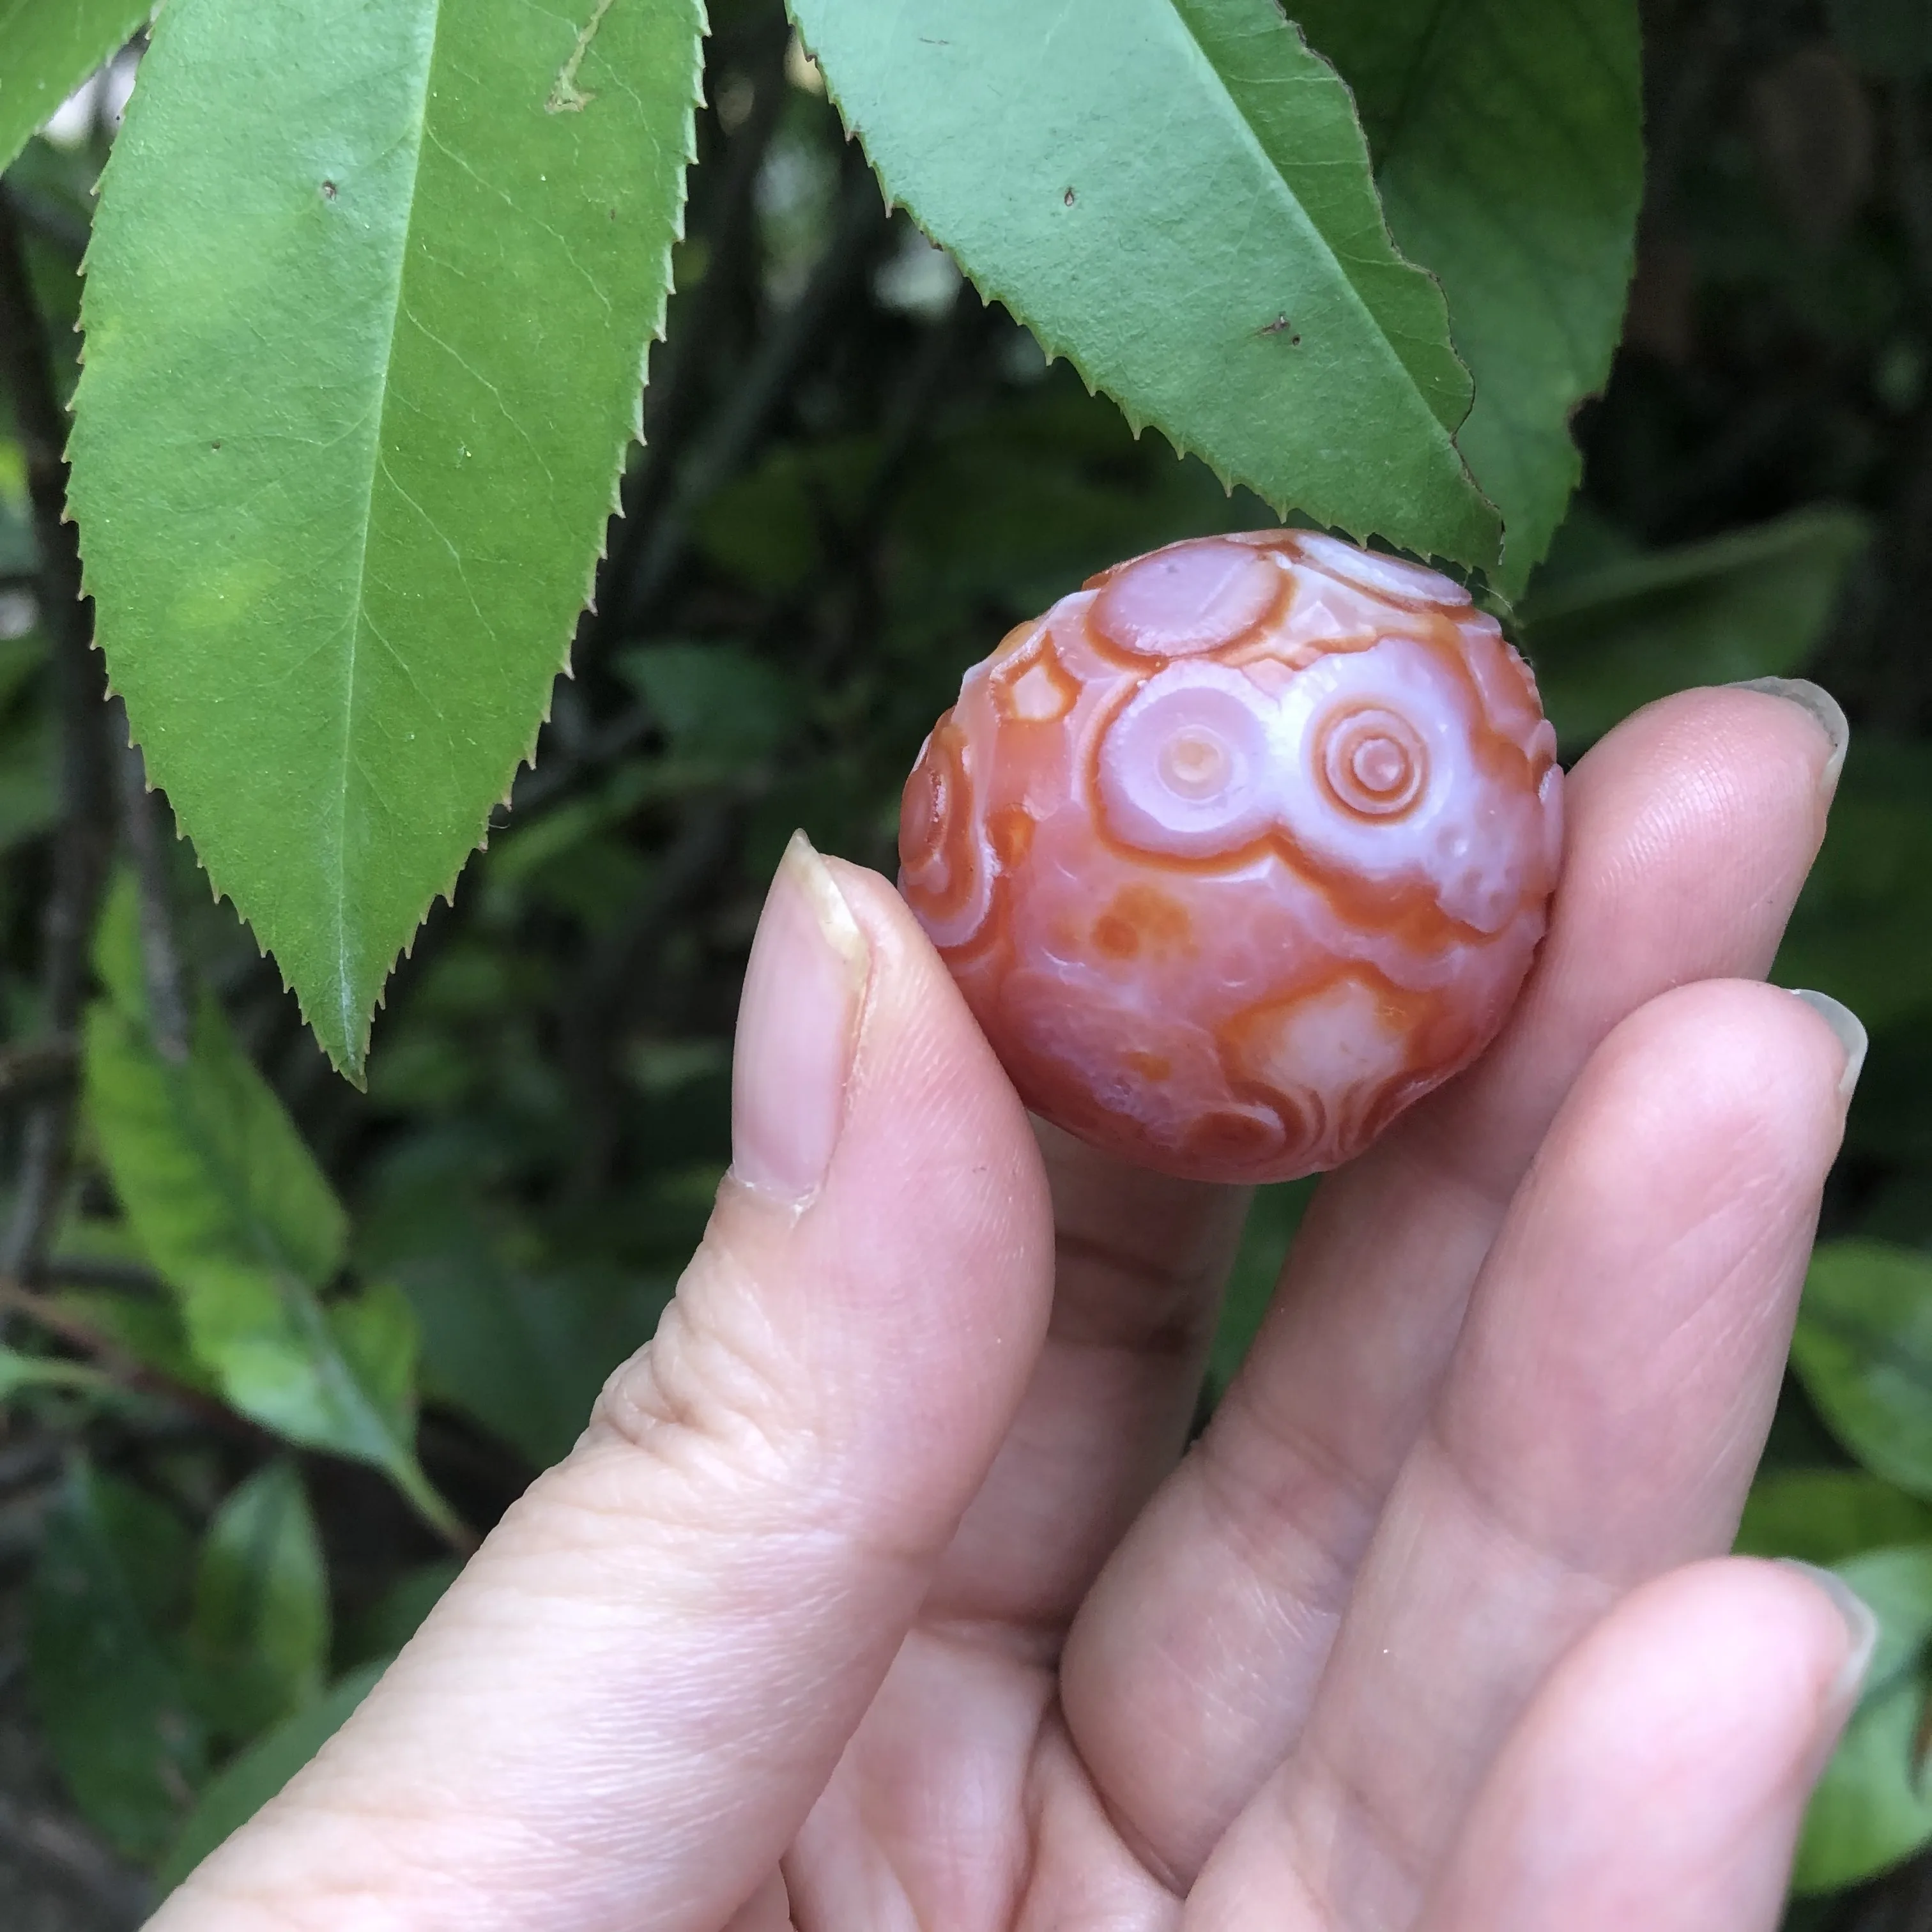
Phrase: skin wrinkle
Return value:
(1574, 959)
(1624, 1721)
(401, 1876)
(710, 1676)
(924, 1850)
(1177, 1322)
(670, 1399)
(696, 1399)
(809, 1539)
(1727, 1123)
(1058, 1783)
(1341, 1792)
(1246, 1496)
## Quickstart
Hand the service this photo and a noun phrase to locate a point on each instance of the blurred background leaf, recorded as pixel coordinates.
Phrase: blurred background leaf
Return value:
(1609, 626)
(241, 1790)
(235, 1216)
(1824, 1516)
(1872, 1808)
(1863, 1349)
(1507, 142)
(113, 1576)
(258, 1636)
(45, 53)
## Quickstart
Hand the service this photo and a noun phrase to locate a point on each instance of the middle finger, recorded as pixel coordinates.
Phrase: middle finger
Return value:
(1193, 1665)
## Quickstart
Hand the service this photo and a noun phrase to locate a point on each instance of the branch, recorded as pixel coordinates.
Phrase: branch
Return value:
(85, 835)
(35, 1067)
(1680, 80)
(114, 1362)
(561, 766)
(64, 1851)
(611, 975)
(143, 832)
(31, 1461)
(1912, 156)
(672, 398)
(863, 227)
(122, 1277)
(909, 420)
(1900, 1900)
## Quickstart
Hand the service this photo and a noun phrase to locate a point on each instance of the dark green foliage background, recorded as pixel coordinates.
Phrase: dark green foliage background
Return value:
(857, 475)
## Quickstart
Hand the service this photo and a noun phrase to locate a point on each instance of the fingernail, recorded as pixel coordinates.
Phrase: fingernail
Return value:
(1823, 707)
(798, 1023)
(1861, 1629)
(1848, 1027)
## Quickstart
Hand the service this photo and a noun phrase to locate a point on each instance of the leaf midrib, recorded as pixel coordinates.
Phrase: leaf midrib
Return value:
(345, 992)
(1272, 169)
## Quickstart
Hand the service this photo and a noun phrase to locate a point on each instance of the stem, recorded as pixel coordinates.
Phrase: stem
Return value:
(66, 1851)
(32, 1068)
(1912, 177)
(142, 830)
(117, 1364)
(863, 227)
(426, 1501)
(672, 399)
(85, 837)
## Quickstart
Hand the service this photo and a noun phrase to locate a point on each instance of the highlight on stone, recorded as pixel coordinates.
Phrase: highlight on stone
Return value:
(1239, 851)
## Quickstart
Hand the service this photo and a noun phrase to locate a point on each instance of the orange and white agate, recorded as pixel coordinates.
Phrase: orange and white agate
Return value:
(1239, 850)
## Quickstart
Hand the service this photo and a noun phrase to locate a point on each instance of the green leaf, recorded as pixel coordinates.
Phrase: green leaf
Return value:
(19, 1371)
(242, 1788)
(1274, 1217)
(338, 513)
(243, 1178)
(29, 792)
(521, 1346)
(1175, 194)
(714, 700)
(398, 1613)
(1627, 629)
(149, 1329)
(47, 49)
(111, 1705)
(1873, 1807)
(234, 1215)
(259, 1637)
(1507, 138)
(1863, 1349)
(1824, 1516)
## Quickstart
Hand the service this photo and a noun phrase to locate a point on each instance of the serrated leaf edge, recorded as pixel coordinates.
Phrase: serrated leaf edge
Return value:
(352, 1064)
(1055, 350)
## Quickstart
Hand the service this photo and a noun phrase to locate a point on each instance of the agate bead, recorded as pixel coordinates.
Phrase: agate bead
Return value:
(1241, 850)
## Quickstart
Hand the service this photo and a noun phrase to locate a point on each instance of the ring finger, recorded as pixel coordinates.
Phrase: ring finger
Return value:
(1191, 1670)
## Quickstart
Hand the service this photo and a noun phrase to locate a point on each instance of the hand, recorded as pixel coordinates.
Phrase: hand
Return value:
(880, 1594)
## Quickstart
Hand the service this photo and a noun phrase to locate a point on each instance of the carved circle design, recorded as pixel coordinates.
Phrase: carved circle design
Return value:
(1373, 762)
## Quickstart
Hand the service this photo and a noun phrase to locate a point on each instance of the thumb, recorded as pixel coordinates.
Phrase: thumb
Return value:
(621, 1712)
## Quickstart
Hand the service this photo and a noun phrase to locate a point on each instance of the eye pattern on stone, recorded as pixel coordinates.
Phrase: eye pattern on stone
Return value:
(1185, 769)
(1239, 850)
(1373, 762)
